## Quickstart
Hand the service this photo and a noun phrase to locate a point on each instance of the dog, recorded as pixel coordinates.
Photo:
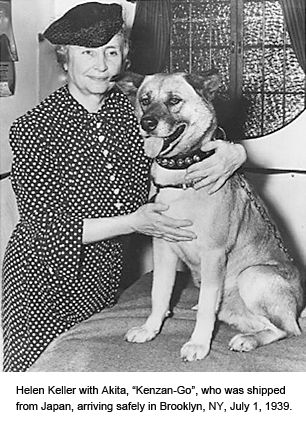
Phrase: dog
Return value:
(245, 275)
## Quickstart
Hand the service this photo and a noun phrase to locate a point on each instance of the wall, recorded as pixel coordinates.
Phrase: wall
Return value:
(29, 17)
(284, 193)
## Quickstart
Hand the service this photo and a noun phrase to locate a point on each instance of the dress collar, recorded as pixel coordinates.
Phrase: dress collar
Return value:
(77, 109)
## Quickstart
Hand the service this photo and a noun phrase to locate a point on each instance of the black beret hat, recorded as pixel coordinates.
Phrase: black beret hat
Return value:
(89, 24)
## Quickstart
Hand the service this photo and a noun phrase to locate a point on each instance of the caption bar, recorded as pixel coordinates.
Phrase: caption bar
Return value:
(140, 398)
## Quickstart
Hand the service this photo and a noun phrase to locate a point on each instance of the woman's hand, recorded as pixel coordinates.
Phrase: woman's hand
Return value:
(150, 220)
(214, 171)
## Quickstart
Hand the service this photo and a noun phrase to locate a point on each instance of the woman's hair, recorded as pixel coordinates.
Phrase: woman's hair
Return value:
(126, 42)
(61, 51)
(126, 46)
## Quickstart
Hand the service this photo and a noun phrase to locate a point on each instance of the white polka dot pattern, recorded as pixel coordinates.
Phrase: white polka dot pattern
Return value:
(68, 165)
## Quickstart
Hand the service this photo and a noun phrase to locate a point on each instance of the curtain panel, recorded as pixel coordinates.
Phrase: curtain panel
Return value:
(294, 15)
(150, 36)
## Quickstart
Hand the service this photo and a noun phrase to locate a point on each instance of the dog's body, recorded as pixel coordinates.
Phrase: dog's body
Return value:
(238, 259)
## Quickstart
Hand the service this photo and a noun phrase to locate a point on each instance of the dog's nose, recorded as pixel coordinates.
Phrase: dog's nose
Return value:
(148, 123)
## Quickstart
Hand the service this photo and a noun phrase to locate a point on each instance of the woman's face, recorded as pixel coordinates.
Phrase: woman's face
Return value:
(90, 70)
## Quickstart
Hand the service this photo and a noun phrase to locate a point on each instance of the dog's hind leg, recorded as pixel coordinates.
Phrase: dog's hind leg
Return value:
(165, 263)
(272, 295)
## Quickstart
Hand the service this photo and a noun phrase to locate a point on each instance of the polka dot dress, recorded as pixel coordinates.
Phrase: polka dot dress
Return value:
(68, 165)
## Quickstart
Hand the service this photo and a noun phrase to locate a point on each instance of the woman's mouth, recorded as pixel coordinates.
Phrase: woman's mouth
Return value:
(98, 78)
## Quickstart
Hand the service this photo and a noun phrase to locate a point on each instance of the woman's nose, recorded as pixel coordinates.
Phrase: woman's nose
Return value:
(101, 62)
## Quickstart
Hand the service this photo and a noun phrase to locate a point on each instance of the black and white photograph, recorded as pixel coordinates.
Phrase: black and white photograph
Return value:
(153, 177)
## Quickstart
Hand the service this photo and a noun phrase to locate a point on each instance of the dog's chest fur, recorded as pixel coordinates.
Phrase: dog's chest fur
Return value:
(209, 223)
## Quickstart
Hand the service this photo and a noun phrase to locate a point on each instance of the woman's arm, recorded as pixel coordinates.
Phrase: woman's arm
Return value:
(56, 233)
(148, 219)
(214, 171)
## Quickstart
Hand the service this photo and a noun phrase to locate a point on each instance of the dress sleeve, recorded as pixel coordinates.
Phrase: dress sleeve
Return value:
(140, 174)
(43, 201)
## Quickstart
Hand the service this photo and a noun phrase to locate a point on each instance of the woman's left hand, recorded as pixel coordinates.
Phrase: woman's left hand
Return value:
(214, 171)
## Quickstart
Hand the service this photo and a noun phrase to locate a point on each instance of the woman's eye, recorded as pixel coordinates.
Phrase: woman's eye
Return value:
(174, 101)
(87, 52)
(113, 53)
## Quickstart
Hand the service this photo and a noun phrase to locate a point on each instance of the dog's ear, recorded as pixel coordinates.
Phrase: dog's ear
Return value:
(205, 84)
(129, 83)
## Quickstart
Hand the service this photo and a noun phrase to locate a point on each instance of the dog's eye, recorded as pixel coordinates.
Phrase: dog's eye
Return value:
(174, 101)
(145, 101)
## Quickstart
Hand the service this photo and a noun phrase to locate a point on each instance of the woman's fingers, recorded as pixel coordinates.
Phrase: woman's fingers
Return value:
(179, 234)
(198, 169)
(175, 237)
(157, 207)
(174, 222)
(214, 171)
(216, 186)
(205, 182)
(200, 174)
(174, 227)
(150, 220)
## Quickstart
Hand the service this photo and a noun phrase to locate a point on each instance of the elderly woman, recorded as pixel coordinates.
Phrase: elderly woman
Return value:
(81, 181)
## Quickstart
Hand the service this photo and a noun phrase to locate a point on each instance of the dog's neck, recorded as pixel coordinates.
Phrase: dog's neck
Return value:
(170, 176)
(183, 161)
(172, 173)
(167, 178)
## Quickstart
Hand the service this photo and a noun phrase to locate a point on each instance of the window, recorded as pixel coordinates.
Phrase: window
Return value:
(263, 86)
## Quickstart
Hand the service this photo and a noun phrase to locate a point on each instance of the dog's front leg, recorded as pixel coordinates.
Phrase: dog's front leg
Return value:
(165, 262)
(212, 280)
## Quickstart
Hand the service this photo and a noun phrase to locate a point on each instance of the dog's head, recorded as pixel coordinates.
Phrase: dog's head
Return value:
(175, 112)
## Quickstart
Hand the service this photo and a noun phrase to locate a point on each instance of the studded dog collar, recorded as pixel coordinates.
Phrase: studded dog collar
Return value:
(182, 161)
(179, 163)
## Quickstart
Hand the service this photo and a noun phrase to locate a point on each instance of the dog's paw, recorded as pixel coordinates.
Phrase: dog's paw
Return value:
(140, 334)
(194, 351)
(243, 342)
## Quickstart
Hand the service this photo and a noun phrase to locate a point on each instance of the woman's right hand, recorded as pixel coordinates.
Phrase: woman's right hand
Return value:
(150, 220)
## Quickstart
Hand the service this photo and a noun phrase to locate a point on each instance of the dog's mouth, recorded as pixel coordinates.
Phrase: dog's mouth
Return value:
(171, 140)
(159, 146)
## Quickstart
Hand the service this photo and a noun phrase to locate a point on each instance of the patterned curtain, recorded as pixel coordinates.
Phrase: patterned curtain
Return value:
(150, 37)
(294, 14)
